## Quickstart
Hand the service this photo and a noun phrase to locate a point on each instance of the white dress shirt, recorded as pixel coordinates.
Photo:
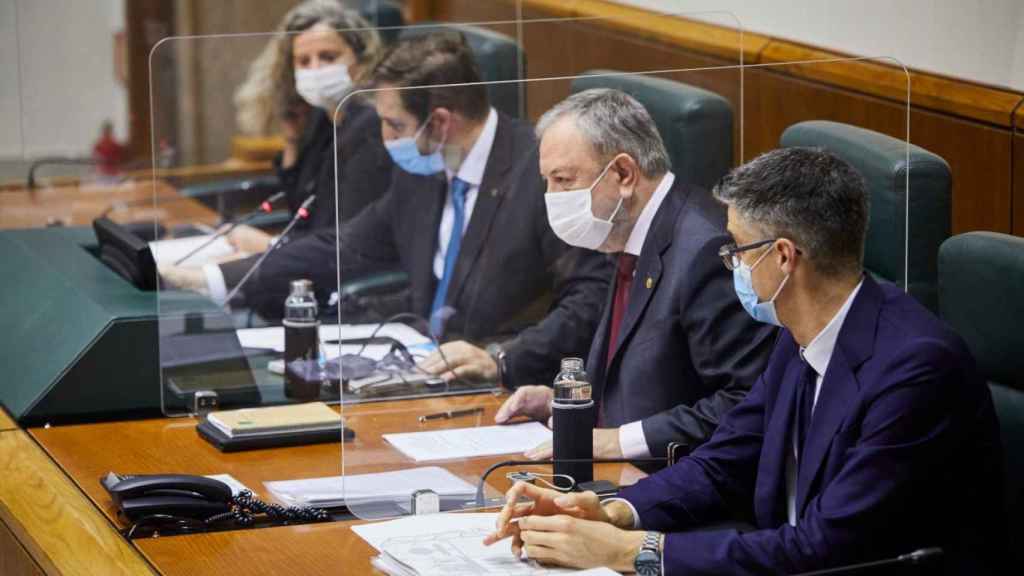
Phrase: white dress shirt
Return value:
(817, 354)
(632, 441)
(471, 172)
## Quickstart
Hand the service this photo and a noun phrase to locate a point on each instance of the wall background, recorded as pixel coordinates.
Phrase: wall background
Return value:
(981, 40)
(66, 87)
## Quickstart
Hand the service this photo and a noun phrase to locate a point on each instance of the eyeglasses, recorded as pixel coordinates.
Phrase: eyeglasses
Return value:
(730, 253)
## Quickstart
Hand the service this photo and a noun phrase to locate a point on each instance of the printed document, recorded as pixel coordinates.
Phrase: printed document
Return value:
(469, 442)
(450, 545)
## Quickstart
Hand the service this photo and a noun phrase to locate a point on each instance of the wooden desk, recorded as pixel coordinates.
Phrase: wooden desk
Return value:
(86, 452)
(75, 205)
(6, 423)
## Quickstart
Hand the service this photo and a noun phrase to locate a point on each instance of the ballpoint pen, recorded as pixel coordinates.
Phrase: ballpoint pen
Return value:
(452, 414)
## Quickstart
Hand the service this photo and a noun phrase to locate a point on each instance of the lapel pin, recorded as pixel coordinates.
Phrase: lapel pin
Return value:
(649, 283)
(494, 192)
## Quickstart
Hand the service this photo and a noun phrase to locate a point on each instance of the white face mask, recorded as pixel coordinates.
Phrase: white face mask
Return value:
(572, 219)
(323, 87)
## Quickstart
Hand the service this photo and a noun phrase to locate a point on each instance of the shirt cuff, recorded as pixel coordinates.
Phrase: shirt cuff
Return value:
(215, 284)
(632, 441)
(636, 517)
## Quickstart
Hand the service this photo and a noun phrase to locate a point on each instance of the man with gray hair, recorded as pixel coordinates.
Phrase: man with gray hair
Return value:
(870, 435)
(674, 350)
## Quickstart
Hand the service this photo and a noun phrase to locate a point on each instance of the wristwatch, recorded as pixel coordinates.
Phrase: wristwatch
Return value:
(497, 352)
(648, 560)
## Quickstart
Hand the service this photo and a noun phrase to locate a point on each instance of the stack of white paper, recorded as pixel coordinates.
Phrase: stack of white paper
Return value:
(449, 545)
(469, 442)
(353, 490)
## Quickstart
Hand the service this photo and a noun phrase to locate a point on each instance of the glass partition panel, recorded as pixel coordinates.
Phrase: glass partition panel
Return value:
(228, 270)
(468, 257)
(515, 300)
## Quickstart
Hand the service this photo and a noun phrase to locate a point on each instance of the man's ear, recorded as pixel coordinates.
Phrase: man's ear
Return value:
(628, 172)
(440, 123)
(787, 255)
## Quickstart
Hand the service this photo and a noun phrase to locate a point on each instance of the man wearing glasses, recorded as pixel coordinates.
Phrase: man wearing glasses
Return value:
(869, 435)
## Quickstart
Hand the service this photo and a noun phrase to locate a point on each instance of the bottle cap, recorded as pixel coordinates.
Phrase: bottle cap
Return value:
(302, 287)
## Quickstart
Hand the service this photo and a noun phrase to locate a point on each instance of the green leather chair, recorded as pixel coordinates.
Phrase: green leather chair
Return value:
(695, 124)
(981, 294)
(882, 160)
(498, 56)
(383, 14)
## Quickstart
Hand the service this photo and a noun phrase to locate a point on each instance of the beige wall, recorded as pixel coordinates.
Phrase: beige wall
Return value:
(981, 41)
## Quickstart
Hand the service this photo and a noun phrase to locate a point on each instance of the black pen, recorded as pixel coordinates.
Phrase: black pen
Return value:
(452, 414)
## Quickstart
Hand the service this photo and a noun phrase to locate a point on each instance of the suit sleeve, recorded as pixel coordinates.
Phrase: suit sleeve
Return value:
(728, 349)
(715, 483)
(878, 504)
(581, 284)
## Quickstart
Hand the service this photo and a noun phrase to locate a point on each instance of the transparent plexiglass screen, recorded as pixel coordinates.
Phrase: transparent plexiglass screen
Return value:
(516, 299)
(461, 317)
(245, 210)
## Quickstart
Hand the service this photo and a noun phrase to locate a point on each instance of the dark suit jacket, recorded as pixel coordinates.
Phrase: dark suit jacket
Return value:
(514, 280)
(903, 453)
(364, 168)
(687, 351)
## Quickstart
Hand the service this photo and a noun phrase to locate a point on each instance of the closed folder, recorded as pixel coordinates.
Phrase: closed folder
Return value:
(226, 443)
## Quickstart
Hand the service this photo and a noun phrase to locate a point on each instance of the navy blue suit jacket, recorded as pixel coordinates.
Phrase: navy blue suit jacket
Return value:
(903, 453)
(687, 352)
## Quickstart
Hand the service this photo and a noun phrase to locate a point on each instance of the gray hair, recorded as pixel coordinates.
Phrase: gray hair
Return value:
(809, 196)
(614, 123)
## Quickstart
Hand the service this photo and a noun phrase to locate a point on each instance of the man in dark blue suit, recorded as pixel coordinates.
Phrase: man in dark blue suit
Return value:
(869, 435)
(674, 350)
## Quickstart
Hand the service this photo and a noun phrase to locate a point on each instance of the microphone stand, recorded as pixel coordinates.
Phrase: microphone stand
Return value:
(914, 558)
(301, 214)
(265, 206)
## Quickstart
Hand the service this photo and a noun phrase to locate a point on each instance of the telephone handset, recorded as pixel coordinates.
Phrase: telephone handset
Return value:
(170, 494)
(184, 503)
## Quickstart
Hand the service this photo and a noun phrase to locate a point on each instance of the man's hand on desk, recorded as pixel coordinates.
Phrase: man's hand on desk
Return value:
(606, 445)
(245, 238)
(573, 530)
(533, 402)
(184, 277)
(463, 361)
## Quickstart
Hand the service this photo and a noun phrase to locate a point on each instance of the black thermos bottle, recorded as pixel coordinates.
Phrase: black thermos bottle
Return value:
(572, 410)
(301, 340)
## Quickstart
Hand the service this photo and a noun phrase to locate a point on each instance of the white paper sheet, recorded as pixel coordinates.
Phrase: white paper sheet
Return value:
(170, 251)
(362, 488)
(450, 545)
(469, 442)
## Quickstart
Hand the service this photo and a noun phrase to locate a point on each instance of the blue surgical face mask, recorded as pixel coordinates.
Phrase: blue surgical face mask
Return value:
(744, 285)
(407, 156)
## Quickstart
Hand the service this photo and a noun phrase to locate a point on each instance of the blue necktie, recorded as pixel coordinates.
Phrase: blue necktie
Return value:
(458, 189)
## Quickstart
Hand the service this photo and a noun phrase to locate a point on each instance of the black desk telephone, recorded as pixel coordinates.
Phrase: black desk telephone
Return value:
(171, 494)
(184, 503)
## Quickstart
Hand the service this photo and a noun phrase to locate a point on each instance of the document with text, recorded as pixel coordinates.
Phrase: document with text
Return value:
(450, 545)
(469, 442)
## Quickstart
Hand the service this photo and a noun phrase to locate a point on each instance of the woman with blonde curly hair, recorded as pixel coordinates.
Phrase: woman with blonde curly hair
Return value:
(297, 84)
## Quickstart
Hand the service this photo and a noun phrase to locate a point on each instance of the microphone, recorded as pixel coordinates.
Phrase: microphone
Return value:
(914, 558)
(301, 214)
(265, 207)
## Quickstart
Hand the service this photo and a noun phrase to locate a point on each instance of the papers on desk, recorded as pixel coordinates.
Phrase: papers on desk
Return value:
(358, 489)
(449, 545)
(170, 251)
(469, 442)
(273, 338)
